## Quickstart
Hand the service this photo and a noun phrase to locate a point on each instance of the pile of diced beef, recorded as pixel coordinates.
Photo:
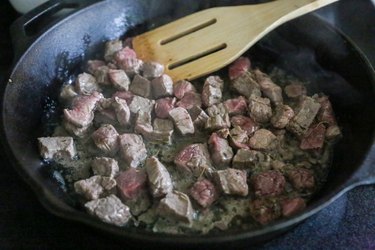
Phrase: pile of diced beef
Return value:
(122, 104)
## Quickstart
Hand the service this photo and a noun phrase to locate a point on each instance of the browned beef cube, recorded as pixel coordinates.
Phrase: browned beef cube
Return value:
(163, 106)
(304, 116)
(247, 159)
(131, 66)
(152, 69)
(221, 152)
(142, 104)
(246, 123)
(232, 181)
(163, 131)
(268, 183)
(302, 179)
(295, 90)
(236, 106)
(158, 176)
(204, 192)
(239, 67)
(82, 113)
(216, 109)
(260, 109)
(101, 75)
(76, 131)
(93, 65)
(95, 187)
(182, 120)
(333, 132)
(292, 206)
(212, 90)
(124, 54)
(131, 183)
(67, 94)
(263, 139)
(143, 124)
(264, 211)
(268, 87)
(194, 159)
(176, 205)
(282, 116)
(182, 87)
(162, 86)
(198, 116)
(105, 115)
(190, 100)
(119, 79)
(314, 138)
(325, 113)
(217, 122)
(106, 139)
(111, 47)
(57, 147)
(132, 148)
(126, 95)
(246, 85)
(105, 166)
(110, 210)
(122, 111)
(238, 138)
(86, 84)
(141, 86)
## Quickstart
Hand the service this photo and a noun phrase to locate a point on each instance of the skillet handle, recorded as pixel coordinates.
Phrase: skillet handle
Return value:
(26, 29)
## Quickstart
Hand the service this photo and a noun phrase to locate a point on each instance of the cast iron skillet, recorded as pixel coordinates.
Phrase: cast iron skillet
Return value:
(57, 52)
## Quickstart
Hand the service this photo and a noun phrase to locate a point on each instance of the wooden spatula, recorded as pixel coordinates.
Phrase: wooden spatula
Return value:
(206, 41)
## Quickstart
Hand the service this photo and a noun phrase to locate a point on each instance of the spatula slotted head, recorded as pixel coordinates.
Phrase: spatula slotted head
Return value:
(206, 41)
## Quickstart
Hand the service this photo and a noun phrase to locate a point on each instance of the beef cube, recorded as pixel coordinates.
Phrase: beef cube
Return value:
(126, 95)
(124, 54)
(122, 111)
(278, 165)
(162, 86)
(131, 183)
(162, 131)
(268, 87)
(105, 116)
(264, 211)
(57, 147)
(131, 66)
(141, 86)
(232, 181)
(238, 138)
(110, 210)
(268, 183)
(142, 104)
(152, 69)
(282, 116)
(212, 90)
(133, 150)
(236, 106)
(223, 133)
(95, 187)
(182, 87)
(292, 206)
(221, 152)
(333, 132)
(190, 100)
(106, 139)
(111, 47)
(247, 124)
(105, 166)
(119, 79)
(304, 116)
(260, 109)
(314, 138)
(325, 113)
(86, 84)
(82, 113)
(295, 90)
(163, 106)
(246, 85)
(76, 131)
(216, 109)
(247, 159)
(182, 120)
(198, 116)
(93, 65)
(239, 67)
(263, 139)
(164, 125)
(194, 159)
(143, 123)
(67, 94)
(218, 122)
(204, 192)
(302, 179)
(158, 176)
(176, 205)
(101, 75)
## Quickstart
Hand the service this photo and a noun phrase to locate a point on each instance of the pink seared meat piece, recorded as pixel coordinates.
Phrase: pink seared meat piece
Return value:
(246, 123)
(268, 87)
(163, 106)
(282, 116)
(204, 193)
(126, 95)
(314, 138)
(264, 211)
(131, 183)
(292, 206)
(132, 148)
(269, 183)
(182, 87)
(232, 181)
(182, 121)
(119, 79)
(123, 54)
(106, 139)
(263, 139)
(82, 113)
(152, 69)
(325, 113)
(212, 91)
(190, 100)
(131, 66)
(122, 111)
(239, 67)
(111, 47)
(93, 65)
(236, 106)
(238, 138)
(302, 179)
(221, 152)
(162, 86)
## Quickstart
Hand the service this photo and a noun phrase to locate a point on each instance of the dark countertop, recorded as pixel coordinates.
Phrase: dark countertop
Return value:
(348, 223)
